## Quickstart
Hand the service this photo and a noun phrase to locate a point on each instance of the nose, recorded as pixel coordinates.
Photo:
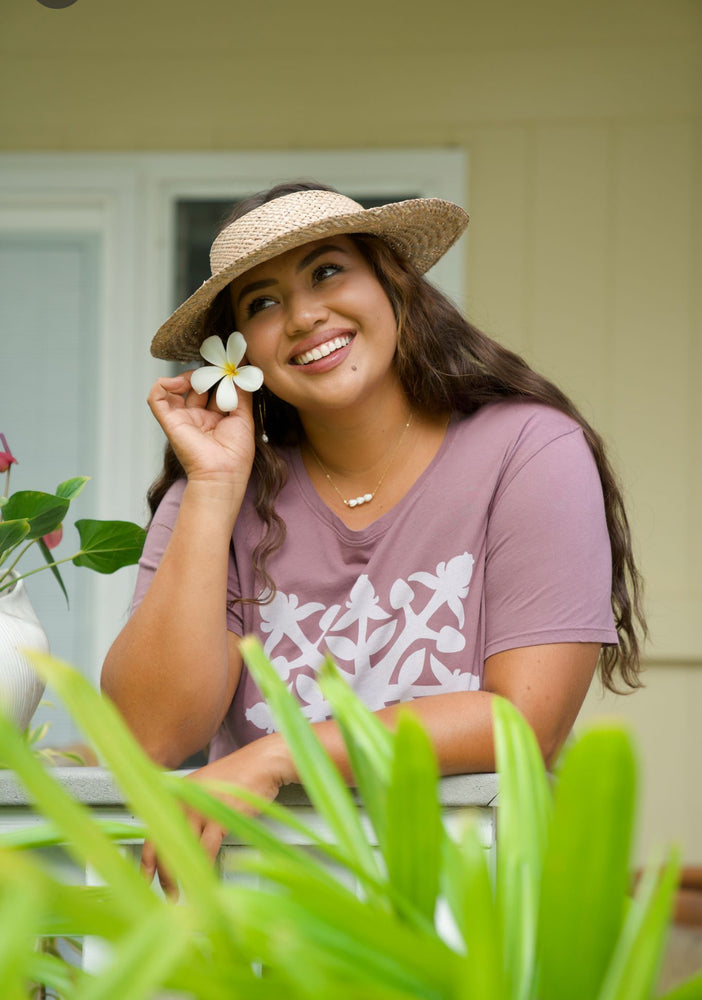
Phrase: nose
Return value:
(305, 311)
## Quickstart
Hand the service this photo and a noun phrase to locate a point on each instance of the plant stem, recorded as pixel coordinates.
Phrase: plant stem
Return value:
(27, 546)
(5, 586)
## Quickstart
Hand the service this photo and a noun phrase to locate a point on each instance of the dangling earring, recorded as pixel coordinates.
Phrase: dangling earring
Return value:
(262, 417)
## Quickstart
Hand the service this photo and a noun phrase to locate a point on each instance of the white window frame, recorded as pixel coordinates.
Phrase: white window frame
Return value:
(128, 200)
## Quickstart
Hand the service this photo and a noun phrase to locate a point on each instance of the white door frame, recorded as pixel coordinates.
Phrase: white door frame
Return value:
(128, 200)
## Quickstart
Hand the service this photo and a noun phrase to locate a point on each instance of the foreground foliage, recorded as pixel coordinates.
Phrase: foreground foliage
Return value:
(347, 920)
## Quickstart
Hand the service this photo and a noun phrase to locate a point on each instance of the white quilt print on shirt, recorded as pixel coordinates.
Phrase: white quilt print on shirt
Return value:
(374, 642)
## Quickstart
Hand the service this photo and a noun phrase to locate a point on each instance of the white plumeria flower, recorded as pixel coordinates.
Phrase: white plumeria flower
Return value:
(224, 365)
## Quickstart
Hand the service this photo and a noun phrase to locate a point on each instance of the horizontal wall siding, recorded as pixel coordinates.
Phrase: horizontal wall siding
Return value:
(582, 127)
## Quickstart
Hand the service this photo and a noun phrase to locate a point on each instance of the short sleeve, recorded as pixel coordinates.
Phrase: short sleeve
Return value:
(157, 539)
(548, 559)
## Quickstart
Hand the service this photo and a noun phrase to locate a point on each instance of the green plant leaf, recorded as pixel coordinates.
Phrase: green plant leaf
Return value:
(44, 511)
(142, 959)
(50, 834)
(107, 546)
(350, 942)
(12, 533)
(467, 887)
(83, 837)
(414, 828)
(70, 488)
(691, 989)
(368, 742)
(142, 783)
(250, 829)
(20, 902)
(524, 811)
(321, 779)
(636, 961)
(586, 877)
(49, 559)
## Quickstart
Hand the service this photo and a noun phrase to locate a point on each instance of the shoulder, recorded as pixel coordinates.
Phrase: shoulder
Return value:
(516, 429)
(514, 418)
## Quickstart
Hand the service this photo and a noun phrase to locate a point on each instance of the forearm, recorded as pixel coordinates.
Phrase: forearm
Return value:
(169, 669)
(459, 724)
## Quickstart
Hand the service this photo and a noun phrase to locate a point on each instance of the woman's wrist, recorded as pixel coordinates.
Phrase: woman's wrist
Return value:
(214, 497)
(278, 759)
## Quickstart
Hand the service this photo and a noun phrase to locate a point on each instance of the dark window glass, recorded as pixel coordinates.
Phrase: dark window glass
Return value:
(198, 222)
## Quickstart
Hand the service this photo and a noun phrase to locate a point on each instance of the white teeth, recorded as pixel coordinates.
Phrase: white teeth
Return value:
(322, 351)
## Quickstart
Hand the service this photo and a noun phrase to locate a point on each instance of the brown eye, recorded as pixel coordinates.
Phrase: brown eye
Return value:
(256, 305)
(326, 271)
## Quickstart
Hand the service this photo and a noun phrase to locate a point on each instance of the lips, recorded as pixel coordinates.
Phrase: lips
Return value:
(322, 350)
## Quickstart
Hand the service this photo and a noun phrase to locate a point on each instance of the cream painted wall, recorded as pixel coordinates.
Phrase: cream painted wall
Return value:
(582, 124)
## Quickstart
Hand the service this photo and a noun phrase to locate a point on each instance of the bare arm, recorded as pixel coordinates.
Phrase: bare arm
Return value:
(547, 684)
(175, 651)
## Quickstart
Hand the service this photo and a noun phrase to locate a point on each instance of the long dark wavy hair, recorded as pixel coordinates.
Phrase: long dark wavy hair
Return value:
(444, 364)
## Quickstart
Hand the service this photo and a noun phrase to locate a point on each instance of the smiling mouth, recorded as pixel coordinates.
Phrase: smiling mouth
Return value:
(321, 351)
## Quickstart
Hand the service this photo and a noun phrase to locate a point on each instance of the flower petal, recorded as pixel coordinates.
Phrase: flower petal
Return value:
(203, 379)
(227, 398)
(249, 378)
(212, 350)
(236, 348)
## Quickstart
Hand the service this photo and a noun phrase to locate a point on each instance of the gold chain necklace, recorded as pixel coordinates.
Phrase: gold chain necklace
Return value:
(366, 497)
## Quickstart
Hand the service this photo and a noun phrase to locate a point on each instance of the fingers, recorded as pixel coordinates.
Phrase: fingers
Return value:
(151, 865)
(210, 835)
(211, 840)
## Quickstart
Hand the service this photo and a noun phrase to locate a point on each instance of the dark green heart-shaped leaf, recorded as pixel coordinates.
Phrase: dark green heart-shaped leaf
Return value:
(44, 511)
(12, 533)
(106, 546)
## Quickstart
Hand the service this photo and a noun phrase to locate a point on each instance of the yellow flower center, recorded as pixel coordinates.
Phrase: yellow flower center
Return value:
(230, 369)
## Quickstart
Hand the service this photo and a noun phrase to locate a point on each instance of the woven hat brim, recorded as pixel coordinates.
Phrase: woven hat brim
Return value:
(420, 230)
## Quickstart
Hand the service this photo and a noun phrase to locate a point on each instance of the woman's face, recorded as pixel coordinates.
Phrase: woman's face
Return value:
(319, 325)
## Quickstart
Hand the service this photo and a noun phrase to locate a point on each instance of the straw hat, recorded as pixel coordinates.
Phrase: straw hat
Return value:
(421, 230)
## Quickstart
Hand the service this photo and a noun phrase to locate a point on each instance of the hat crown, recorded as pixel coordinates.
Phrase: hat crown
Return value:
(277, 218)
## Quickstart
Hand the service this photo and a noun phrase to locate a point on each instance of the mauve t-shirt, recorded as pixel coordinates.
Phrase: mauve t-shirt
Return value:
(500, 543)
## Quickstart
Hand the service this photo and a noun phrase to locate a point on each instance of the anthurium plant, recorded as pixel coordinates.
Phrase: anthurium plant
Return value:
(389, 909)
(29, 518)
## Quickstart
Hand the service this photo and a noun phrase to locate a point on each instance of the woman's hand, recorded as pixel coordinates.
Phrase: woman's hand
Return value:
(261, 767)
(209, 444)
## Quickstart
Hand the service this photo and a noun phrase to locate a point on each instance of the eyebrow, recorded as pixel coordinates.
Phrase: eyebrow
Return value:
(254, 286)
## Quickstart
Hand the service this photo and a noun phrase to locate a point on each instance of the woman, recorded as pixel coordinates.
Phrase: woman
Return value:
(403, 492)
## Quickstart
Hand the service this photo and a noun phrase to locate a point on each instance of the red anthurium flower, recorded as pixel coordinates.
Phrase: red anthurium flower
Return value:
(54, 537)
(6, 457)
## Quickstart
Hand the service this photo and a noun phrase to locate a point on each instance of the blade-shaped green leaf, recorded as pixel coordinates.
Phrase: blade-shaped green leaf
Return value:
(636, 961)
(586, 869)
(50, 834)
(82, 836)
(368, 743)
(250, 829)
(468, 889)
(44, 511)
(12, 533)
(142, 960)
(523, 810)
(352, 941)
(20, 904)
(414, 828)
(321, 779)
(48, 557)
(51, 972)
(70, 488)
(107, 546)
(691, 989)
(140, 780)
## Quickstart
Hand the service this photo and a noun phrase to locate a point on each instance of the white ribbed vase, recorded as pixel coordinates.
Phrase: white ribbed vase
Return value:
(20, 686)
